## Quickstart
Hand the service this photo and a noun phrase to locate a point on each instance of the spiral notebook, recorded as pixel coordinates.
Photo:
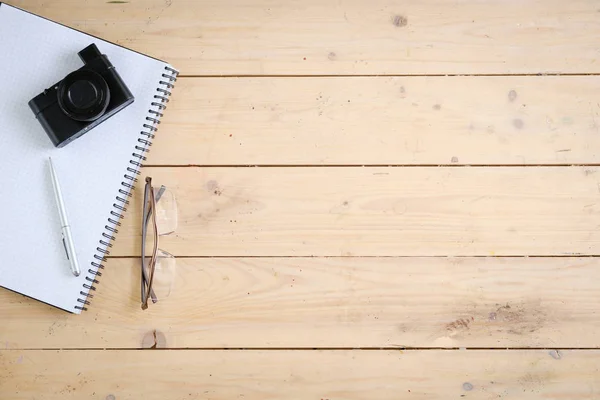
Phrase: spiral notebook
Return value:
(96, 171)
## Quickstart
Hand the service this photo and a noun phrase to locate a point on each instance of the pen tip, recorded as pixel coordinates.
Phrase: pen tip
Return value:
(76, 273)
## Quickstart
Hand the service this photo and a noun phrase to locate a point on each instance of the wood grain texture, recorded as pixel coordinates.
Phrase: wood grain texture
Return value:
(381, 375)
(421, 211)
(305, 302)
(381, 120)
(328, 303)
(267, 37)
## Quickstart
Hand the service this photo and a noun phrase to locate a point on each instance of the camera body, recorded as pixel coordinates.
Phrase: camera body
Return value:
(82, 100)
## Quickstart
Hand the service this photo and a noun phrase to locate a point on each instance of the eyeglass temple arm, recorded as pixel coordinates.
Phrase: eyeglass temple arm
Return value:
(146, 220)
(152, 263)
(157, 197)
(145, 278)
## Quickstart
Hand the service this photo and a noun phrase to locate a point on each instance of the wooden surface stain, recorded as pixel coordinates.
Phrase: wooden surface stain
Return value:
(512, 318)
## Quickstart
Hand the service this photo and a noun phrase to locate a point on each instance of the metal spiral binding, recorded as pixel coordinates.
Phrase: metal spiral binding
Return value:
(130, 178)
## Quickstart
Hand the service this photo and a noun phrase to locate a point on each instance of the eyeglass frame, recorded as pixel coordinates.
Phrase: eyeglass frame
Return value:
(149, 211)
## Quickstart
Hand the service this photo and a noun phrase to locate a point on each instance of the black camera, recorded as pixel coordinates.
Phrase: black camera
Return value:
(84, 99)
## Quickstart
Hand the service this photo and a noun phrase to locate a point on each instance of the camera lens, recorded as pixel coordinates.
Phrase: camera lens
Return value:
(83, 95)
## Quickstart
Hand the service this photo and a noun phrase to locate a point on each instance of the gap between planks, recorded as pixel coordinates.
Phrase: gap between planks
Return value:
(366, 165)
(388, 75)
(400, 349)
(375, 257)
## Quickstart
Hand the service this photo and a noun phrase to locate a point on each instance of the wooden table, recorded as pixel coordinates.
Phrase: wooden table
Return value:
(378, 199)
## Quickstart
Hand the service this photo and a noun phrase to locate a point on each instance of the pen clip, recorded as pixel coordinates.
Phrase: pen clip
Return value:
(66, 251)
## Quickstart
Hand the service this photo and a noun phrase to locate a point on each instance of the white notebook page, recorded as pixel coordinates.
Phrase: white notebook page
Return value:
(34, 54)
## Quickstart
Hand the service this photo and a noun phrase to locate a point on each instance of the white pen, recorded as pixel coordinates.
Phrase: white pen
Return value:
(65, 227)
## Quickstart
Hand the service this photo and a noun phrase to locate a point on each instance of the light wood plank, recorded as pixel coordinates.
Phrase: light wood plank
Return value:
(328, 302)
(189, 374)
(384, 120)
(213, 37)
(421, 211)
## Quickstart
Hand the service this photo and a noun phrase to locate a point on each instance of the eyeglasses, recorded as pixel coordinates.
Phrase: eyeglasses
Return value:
(158, 266)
